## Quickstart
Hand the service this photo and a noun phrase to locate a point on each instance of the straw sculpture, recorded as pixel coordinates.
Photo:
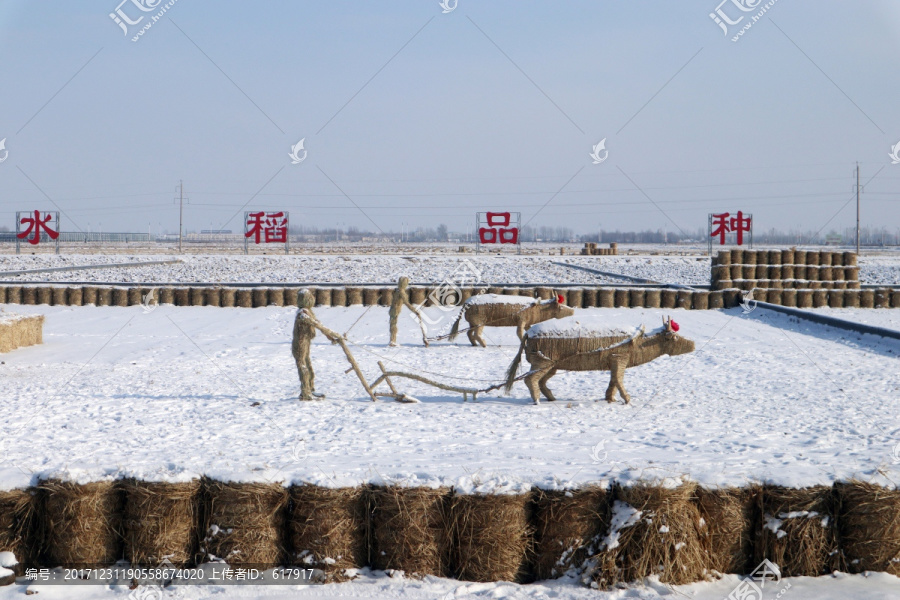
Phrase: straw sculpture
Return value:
(491, 310)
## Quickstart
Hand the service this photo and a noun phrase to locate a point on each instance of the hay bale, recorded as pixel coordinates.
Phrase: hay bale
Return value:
(244, 298)
(653, 298)
(700, 300)
(836, 298)
(338, 296)
(88, 295)
(2, 294)
(575, 298)
(590, 299)
(749, 257)
(761, 272)
(867, 298)
(787, 272)
(104, 296)
(774, 296)
(621, 298)
(800, 272)
(355, 296)
(732, 297)
(729, 526)
(737, 272)
(74, 296)
(748, 272)
(773, 257)
(385, 295)
(82, 524)
(370, 297)
(737, 256)
(323, 296)
(182, 296)
(849, 259)
(851, 273)
(17, 510)
(820, 298)
(882, 298)
(328, 528)
(799, 257)
(852, 298)
(636, 298)
(275, 296)
(410, 530)
(812, 258)
(798, 530)
(290, 296)
(869, 526)
(119, 296)
(716, 299)
(812, 273)
(668, 299)
(214, 296)
(227, 297)
(260, 297)
(197, 296)
(723, 257)
(789, 298)
(853, 285)
(14, 294)
(491, 536)
(58, 296)
(160, 522)
(544, 293)
(567, 528)
(839, 285)
(787, 257)
(684, 299)
(417, 295)
(607, 297)
(244, 522)
(774, 272)
(720, 273)
(662, 537)
(37, 295)
(895, 299)
(826, 273)
(748, 285)
(166, 295)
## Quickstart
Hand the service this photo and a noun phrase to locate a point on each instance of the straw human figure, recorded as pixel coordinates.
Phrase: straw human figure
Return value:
(400, 299)
(304, 332)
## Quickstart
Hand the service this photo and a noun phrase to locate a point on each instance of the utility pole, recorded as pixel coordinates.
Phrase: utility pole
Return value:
(857, 209)
(180, 213)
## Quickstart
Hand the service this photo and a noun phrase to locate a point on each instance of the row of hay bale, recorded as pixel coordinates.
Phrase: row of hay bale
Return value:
(622, 534)
(591, 249)
(784, 275)
(791, 256)
(834, 298)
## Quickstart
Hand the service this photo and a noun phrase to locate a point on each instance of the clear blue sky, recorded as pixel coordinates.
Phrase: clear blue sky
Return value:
(491, 106)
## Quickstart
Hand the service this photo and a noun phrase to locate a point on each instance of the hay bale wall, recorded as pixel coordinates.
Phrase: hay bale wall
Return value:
(244, 523)
(491, 537)
(160, 522)
(409, 530)
(17, 331)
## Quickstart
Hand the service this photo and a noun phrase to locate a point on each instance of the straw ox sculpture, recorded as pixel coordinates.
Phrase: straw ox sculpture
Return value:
(569, 345)
(494, 310)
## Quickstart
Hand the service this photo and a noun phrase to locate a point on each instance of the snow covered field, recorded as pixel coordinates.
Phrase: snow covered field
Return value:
(367, 268)
(179, 392)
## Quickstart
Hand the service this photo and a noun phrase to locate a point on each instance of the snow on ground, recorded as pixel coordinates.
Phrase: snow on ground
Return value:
(182, 391)
(378, 586)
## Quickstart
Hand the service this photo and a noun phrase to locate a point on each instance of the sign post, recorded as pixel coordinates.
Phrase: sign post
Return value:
(32, 223)
(498, 228)
(267, 228)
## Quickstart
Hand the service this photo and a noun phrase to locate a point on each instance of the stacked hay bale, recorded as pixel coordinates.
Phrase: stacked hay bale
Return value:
(410, 530)
(491, 537)
(328, 528)
(244, 523)
(654, 530)
(798, 530)
(160, 522)
(567, 529)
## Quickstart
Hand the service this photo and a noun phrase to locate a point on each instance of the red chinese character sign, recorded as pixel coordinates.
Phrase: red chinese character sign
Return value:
(263, 227)
(37, 226)
(728, 228)
(498, 228)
